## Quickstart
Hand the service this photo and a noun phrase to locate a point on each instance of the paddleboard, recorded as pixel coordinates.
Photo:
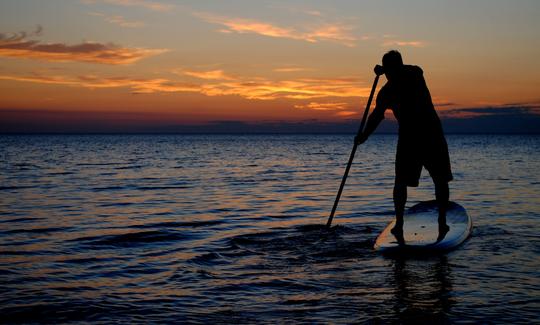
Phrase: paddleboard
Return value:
(421, 228)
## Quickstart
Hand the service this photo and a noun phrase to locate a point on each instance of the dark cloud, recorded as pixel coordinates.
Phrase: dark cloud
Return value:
(38, 31)
(18, 45)
(508, 109)
(508, 118)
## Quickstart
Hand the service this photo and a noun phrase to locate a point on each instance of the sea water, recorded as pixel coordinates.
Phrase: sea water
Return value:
(229, 229)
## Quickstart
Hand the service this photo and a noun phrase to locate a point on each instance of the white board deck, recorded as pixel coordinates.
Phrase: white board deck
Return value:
(421, 228)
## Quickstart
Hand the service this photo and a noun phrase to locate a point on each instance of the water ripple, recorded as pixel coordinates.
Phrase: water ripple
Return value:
(131, 239)
(230, 229)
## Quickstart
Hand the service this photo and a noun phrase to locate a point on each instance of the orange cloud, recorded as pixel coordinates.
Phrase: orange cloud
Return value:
(90, 81)
(346, 113)
(333, 33)
(18, 46)
(262, 89)
(209, 75)
(255, 89)
(404, 43)
(151, 5)
(118, 20)
(328, 32)
(324, 106)
(290, 69)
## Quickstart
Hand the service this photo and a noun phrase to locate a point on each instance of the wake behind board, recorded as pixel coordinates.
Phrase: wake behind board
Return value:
(421, 228)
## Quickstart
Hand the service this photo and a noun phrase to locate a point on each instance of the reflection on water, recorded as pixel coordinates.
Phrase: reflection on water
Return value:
(224, 229)
(423, 289)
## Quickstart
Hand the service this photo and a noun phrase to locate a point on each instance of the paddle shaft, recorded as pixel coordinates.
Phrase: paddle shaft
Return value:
(353, 152)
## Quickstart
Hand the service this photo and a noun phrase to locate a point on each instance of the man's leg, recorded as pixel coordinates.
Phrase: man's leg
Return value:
(400, 198)
(442, 194)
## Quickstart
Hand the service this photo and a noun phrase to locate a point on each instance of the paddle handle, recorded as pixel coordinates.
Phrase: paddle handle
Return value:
(353, 152)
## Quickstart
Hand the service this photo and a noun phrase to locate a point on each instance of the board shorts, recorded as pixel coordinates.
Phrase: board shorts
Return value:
(431, 153)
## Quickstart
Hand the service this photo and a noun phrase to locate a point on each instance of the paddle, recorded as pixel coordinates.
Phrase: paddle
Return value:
(378, 72)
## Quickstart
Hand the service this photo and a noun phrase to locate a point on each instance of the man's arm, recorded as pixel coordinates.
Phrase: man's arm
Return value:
(375, 118)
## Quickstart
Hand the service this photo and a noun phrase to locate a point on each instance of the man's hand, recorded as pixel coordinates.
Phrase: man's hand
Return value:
(379, 70)
(359, 139)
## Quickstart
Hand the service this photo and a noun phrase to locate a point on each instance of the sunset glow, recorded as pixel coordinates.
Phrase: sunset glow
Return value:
(244, 61)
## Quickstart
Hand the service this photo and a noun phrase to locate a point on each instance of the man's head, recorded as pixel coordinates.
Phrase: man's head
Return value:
(392, 63)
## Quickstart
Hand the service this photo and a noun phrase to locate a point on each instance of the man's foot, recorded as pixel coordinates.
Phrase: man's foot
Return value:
(443, 230)
(398, 233)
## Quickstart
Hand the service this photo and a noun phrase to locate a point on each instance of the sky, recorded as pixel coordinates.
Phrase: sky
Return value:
(260, 65)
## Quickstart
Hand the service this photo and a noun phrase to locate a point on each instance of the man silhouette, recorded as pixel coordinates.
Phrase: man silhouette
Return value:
(421, 141)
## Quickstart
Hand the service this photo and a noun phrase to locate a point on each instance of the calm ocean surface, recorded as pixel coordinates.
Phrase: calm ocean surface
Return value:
(228, 229)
